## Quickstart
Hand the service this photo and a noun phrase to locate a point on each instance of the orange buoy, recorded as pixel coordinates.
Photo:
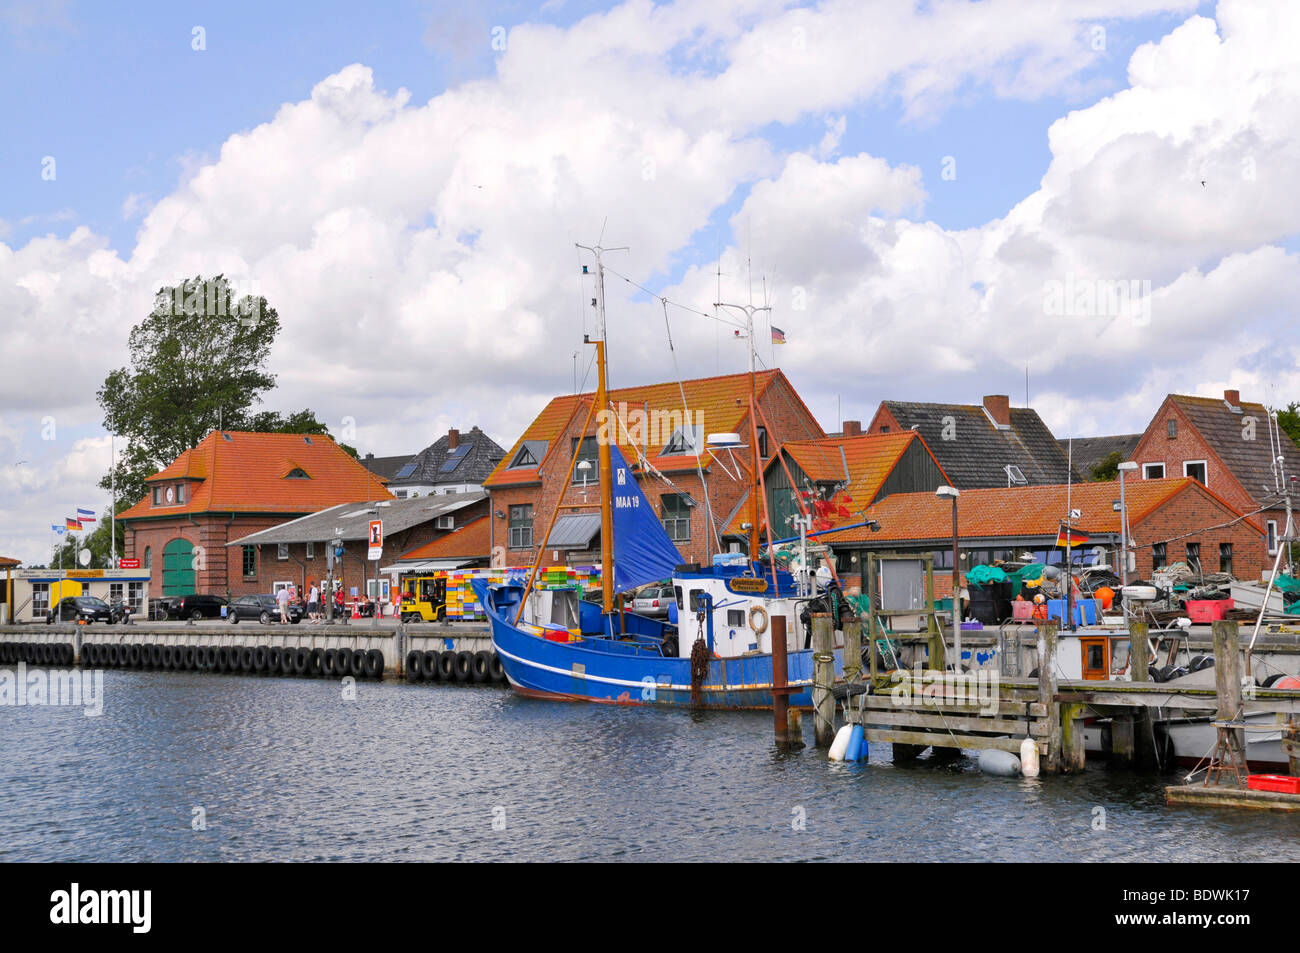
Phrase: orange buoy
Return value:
(1106, 594)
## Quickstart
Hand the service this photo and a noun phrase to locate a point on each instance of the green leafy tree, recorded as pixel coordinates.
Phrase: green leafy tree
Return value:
(1107, 468)
(197, 362)
(1288, 421)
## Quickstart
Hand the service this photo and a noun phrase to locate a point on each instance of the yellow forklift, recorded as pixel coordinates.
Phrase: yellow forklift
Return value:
(424, 599)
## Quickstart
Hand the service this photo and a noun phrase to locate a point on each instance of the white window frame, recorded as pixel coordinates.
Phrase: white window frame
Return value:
(40, 598)
(135, 596)
(1203, 463)
(311, 550)
(277, 586)
(1146, 470)
(445, 522)
(281, 550)
(1270, 536)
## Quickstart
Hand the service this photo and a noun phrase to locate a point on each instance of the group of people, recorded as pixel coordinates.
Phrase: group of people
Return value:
(315, 608)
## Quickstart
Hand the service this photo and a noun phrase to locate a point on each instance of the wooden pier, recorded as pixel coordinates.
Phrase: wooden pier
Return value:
(980, 709)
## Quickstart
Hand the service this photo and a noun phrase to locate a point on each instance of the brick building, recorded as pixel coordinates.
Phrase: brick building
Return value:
(230, 485)
(852, 469)
(647, 422)
(297, 551)
(1225, 444)
(1001, 524)
(981, 445)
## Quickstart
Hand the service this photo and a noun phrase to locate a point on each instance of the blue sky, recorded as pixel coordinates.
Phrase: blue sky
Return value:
(127, 107)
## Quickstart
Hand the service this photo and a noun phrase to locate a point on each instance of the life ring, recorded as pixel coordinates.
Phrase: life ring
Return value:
(760, 626)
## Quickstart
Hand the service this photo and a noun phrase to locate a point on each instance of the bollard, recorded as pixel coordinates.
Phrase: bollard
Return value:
(823, 633)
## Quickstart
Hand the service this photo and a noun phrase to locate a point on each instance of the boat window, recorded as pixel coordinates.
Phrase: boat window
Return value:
(1096, 656)
(697, 600)
(677, 595)
(735, 617)
(564, 608)
(1119, 656)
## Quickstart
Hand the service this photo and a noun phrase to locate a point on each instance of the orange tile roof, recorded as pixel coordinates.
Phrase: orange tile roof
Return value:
(239, 472)
(1016, 511)
(870, 459)
(7, 562)
(719, 402)
(471, 541)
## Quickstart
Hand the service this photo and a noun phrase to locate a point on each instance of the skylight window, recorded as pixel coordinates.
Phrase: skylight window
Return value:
(454, 458)
(406, 471)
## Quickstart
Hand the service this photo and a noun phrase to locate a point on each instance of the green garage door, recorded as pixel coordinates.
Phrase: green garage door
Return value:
(178, 568)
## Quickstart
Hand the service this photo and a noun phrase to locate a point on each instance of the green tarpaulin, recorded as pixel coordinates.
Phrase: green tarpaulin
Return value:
(985, 574)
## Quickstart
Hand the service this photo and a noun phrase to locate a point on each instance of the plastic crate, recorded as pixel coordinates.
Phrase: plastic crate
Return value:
(1281, 783)
(1022, 610)
(1208, 610)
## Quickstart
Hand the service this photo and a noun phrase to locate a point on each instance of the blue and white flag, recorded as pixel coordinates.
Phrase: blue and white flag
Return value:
(85, 516)
(57, 529)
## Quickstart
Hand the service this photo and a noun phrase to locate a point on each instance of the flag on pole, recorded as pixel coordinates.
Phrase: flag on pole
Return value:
(70, 523)
(85, 516)
(57, 529)
(778, 336)
(1071, 537)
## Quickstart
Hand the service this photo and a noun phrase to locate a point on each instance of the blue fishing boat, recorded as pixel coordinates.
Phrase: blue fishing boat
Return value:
(716, 650)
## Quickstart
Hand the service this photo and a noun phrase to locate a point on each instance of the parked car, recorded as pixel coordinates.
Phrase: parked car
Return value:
(653, 601)
(263, 608)
(80, 608)
(196, 606)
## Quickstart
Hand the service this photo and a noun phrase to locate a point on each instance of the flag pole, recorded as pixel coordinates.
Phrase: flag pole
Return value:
(112, 507)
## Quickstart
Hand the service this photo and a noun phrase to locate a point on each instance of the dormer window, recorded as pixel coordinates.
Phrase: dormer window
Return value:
(685, 440)
(297, 473)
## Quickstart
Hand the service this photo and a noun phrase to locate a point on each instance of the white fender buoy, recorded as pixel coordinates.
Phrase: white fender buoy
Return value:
(1029, 758)
(840, 746)
(1001, 763)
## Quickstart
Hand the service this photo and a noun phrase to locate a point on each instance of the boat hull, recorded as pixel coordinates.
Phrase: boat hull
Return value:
(598, 670)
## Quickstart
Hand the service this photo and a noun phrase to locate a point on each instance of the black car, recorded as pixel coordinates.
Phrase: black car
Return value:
(194, 607)
(83, 608)
(263, 608)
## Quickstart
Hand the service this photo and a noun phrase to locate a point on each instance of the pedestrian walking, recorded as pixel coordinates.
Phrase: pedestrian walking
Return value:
(313, 604)
(282, 600)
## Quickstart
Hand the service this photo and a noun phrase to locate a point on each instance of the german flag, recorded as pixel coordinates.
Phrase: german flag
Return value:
(70, 523)
(1070, 537)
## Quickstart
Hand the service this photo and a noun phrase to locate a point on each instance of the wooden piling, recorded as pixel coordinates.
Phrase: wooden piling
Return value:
(1123, 743)
(1227, 675)
(823, 634)
(853, 652)
(1047, 694)
(1143, 752)
(1071, 728)
(780, 681)
(1291, 742)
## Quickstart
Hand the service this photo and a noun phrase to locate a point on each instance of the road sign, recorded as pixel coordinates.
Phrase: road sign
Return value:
(128, 564)
(376, 539)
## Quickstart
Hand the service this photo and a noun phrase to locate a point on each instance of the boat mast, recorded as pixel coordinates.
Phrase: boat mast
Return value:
(605, 465)
(749, 310)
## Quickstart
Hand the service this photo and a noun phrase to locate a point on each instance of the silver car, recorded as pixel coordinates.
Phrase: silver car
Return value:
(653, 601)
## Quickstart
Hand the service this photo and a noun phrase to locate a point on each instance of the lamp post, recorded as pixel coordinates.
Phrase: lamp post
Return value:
(951, 492)
(1125, 467)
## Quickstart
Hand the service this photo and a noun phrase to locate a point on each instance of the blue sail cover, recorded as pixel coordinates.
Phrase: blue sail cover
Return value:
(642, 550)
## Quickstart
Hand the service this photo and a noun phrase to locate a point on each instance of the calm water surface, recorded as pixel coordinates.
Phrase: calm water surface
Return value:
(288, 770)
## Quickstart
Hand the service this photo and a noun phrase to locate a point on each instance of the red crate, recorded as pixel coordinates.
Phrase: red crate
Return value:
(1281, 783)
(1208, 610)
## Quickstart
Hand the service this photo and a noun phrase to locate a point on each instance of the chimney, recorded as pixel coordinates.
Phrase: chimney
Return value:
(1232, 398)
(998, 407)
(453, 439)
(370, 456)
(852, 428)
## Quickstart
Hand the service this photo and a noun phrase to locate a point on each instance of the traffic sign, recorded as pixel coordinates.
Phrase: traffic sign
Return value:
(376, 539)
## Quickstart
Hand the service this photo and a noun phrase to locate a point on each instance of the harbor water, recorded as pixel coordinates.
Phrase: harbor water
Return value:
(194, 767)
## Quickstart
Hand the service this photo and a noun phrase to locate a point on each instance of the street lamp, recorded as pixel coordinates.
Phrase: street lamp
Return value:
(951, 492)
(1125, 467)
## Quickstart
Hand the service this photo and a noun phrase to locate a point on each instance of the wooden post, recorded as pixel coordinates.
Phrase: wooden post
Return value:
(780, 680)
(853, 652)
(1072, 717)
(1139, 666)
(1047, 694)
(1291, 744)
(823, 632)
(936, 661)
(1227, 675)
(1122, 742)
(872, 633)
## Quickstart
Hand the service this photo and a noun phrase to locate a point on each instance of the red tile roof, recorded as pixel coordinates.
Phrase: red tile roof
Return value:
(870, 459)
(721, 403)
(471, 541)
(1017, 511)
(239, 472)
